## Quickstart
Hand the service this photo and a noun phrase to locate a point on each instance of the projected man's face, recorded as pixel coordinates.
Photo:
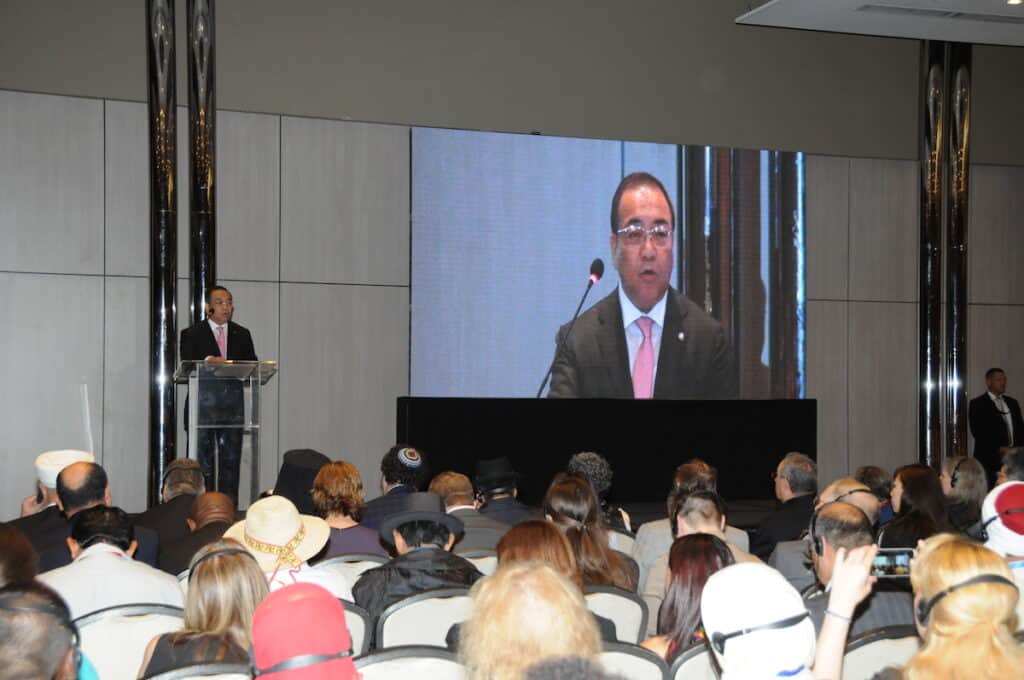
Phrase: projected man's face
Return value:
(644, 267)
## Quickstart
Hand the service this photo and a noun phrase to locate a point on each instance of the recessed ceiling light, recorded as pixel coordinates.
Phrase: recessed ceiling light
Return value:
(1014, 2)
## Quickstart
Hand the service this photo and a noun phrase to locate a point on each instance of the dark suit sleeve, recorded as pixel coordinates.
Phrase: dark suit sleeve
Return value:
(565, 370)
(1018, 422)
(246, 352)
(974, 420)
(187, 346)
(723, 369)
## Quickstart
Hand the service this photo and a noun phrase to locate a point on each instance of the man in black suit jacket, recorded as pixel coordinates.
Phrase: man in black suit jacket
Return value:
(183, 481)
(644, 340)
(223, 403)
(995, 421)
(479, 531)
(212, 514)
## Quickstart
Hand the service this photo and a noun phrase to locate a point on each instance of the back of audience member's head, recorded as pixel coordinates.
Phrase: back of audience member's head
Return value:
(849, 490)
(875, 478)
(523, 614)
(454, 488)
(18, 559)
(1002, 516)
(102, 524)
(963, 480)
(743, 600)
(571, 503)
(323, 634)
(404, 465)
(695, 475)
(967, 627)
(800, 472)
(919, 504)
(82, 485)
(538, 540)
(567, 668)
(338, 490)
(422, 533)
(691, 561)
(225, 585)
(595, 468)
(1012, 469)
(183, 476)
(836, 525)
(210, 507)
(698, 512)
(37, 636)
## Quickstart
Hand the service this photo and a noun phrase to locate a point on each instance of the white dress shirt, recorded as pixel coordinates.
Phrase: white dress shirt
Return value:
(635, 336)
(1004, 411)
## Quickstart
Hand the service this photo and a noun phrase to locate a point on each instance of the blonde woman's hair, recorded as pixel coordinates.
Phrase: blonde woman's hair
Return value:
(225, 586)
(970, 631)
(525, 613)
(971, 482)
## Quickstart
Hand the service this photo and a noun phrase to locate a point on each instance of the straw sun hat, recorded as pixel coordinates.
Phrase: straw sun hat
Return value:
(277, 535)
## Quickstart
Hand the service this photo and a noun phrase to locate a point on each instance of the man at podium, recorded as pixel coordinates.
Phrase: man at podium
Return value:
(222, 402)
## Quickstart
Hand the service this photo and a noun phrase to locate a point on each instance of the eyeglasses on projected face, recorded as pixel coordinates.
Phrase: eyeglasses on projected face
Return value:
(635, 234)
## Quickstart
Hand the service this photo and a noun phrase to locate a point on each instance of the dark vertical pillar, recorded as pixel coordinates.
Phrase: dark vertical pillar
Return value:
(702, 216)
(959, 107)
(932, 149)
(786, 288)
(163, 237)
(202, 192)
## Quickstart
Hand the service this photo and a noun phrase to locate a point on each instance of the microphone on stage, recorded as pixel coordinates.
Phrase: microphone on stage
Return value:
(596, 272)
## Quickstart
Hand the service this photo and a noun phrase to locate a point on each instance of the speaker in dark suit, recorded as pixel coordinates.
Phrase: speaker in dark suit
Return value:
(216, 339)
(645, 340)
(995, 421)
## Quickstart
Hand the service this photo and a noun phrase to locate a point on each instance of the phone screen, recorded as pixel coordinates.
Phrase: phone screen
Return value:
(892, 563)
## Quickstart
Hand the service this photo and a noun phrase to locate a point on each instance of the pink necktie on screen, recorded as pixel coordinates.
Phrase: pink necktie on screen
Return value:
(222, 342)
(643, 369)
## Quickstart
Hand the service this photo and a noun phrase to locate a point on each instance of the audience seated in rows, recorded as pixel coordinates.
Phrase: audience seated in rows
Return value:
(692, 560)
(497, 488)
(836, 525)
(282, 541)
(796, 482)
(479, 531)
(523, 614)
(964, 483)
(965, 612)
(423, 536)
(403, 470)
(183, 481)
(1012, 469)
(212, 513)
(1003, 521)
(299, 468)
(338, 498)
(598, 472)
(18, 560)
(37, 636)
(225, 585)
(879, 481)
(920, 508)
(41, 507)
(572, 505)
(102, 573)
(299, 633)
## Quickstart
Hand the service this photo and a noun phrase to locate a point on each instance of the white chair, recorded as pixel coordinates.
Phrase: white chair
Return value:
(693, 663)
(207, 671)
(874, 650)
(183, 582)
(632, 661)
(359, 625)
(115, 638)
(412, 661)
(621, 542)
(351, 566)
(627, 610)
(423, 618)
(485, 561)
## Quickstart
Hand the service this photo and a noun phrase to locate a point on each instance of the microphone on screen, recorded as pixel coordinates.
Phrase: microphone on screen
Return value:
(596, 272)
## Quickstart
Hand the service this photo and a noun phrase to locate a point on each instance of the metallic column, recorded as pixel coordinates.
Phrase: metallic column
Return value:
(932, 148)
(786, 290)
(163, 227)
(202, 117)
(959, 107)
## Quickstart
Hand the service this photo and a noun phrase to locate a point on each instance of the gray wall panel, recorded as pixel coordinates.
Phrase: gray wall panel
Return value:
(248, 196)
(345, 202)
(827, 359)
(51, 184)
(995, 236)
(53, 344)
(884, 230)
(126, 397)
(827, 216)
(883, 384)
(342, 368)
(127, 189)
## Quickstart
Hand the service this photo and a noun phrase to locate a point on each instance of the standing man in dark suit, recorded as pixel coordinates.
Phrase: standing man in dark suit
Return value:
(645, 340)
(995, 421)
(215, 340)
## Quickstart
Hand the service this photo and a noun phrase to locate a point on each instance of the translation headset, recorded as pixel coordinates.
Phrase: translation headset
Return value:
(220, 553)
(983, 534)
(718, 639)
(294, 662)
(924, 607)
(952, 475)
(816, 544)
(22, 603)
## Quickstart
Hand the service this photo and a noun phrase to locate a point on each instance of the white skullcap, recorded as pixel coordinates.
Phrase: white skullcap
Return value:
(747, 595)
(1002, 516)
(50, 463)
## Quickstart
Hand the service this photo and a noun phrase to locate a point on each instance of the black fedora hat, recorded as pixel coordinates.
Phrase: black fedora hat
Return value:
(299, 468)
(425, 506)
(492, 473)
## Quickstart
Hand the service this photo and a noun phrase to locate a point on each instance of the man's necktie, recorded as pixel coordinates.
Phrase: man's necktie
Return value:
(643, 369)
(222, 342)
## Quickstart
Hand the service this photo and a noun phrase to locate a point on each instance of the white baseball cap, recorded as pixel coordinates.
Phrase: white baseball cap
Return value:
(50, 463)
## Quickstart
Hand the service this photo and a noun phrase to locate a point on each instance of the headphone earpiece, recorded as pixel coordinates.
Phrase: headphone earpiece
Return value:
(924, 607)
(983, 533)
(816, 544)
(953, 474)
